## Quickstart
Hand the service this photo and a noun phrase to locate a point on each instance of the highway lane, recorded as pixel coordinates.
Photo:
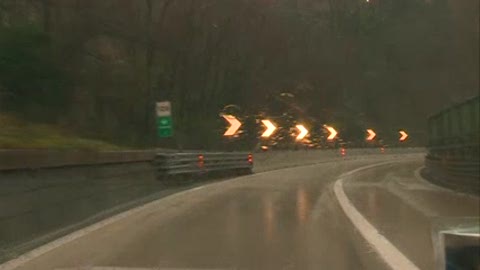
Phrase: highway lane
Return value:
(285, 219)
(38, 206)
(409, 210)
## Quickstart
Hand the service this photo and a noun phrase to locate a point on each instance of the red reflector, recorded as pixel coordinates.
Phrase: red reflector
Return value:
(250, 158)
(201, 161)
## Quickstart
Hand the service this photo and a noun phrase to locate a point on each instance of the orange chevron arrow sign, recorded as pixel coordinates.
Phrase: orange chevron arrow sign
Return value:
(371, 135)
(333, 133)
(404, 135)
(270, 128)
(234, 125)
(303, 132)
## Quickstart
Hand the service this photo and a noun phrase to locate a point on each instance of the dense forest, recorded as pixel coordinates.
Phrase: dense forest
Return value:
(98, 67)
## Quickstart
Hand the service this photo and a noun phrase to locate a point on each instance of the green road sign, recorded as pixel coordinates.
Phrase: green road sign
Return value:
(164, 126)
(164, 119)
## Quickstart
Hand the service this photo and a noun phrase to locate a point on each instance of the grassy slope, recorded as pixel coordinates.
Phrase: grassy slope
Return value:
(17, 134)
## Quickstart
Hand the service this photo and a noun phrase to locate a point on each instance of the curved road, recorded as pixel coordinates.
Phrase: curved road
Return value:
(285, 219)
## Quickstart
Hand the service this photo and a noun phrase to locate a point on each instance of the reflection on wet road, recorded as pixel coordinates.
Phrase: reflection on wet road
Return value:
(398, 206)
(263, 221)
(303, 205)
(286, 219)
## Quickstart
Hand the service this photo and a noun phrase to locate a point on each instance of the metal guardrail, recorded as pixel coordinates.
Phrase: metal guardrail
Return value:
(171, 164)
(453, 146)
(456, 174)
(455, 152)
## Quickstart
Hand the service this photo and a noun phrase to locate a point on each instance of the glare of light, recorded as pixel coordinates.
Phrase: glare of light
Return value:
(371, 134)
(303, 132)
(270, 128)
(404, 135)
(234, 125)
(333, 133)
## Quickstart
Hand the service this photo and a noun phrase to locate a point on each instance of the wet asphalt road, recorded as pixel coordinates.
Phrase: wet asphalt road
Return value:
(285, 219)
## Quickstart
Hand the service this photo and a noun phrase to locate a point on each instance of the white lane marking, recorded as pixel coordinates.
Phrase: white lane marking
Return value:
(37, 252)
(135, 268)
(197, 188)
(106, 268)
(393, 257)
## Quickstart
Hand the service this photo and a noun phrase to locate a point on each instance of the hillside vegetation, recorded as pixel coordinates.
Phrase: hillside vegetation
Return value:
(17, 134)
(98, 66)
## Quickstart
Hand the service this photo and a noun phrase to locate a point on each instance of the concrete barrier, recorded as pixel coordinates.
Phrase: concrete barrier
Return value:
(38, 205)
(458, 175)
(37, 159)
(274, 160)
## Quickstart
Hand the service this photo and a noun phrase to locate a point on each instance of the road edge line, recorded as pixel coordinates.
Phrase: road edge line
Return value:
(47, 247)
(393, 257)
(14, 263)
(43, 249)
(423, 180)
